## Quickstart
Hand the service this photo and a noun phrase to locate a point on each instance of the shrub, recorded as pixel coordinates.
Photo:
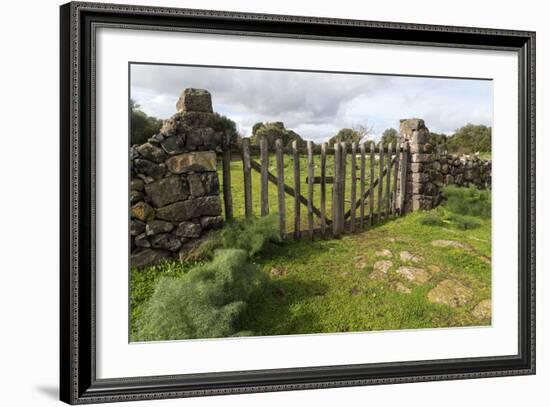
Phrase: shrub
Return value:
(206, 302)
(431, 219)
(464, 222)
(251, 235)
(467, 201)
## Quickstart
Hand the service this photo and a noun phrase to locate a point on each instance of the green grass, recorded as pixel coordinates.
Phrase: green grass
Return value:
(319, 287)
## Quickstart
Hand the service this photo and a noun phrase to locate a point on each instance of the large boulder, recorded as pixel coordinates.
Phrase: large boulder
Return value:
(450, 293)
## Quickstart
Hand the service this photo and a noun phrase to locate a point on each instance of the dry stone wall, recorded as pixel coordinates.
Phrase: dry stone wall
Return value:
(429, 170)
(174, 186)
(462, 170)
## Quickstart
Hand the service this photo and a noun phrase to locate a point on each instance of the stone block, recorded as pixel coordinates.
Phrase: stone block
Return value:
(190, 209)
(155, 227)
(189, 230)
(421, 158)
(151, 152)
(192, 162)
(167, 190)
(419, 177)
(149, 168)
(195, 100)
(142, 211)
(174, 144)
(165, 241)
(196, 186)
(148, 257)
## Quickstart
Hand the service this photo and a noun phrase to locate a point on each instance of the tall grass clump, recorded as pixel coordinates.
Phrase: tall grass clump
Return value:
(206, 302)
(467, 201)
(206, 299)
(431, 219)
(251, 235)
(464, 222)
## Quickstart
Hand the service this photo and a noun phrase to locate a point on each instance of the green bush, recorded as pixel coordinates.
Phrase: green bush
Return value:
(431, 219)
(206, 302)
(464, 222)
(467, 201)
(251, 235)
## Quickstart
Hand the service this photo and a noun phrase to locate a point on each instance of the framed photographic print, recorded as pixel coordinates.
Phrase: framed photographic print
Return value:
(255, 203)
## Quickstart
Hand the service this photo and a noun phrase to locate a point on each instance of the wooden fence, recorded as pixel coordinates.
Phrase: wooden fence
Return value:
(366, 180)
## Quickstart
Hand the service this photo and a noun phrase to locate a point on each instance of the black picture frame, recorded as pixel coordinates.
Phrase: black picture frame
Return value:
(78, 382)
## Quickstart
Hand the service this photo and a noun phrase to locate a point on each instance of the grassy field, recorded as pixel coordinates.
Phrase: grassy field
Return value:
(237, 187)
(323, 286)
(327, 285)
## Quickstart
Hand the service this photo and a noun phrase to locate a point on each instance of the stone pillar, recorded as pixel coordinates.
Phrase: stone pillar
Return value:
(174, 186)
(421, 192)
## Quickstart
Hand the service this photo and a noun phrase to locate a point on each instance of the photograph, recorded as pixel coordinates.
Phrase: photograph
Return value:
(267, 202)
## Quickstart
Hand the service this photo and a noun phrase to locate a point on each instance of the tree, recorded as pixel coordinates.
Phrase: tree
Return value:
(345, 135)
(226, 125)
(142, 126)
(273, 131)
(470, 139)
(439, 140)
(390, 136)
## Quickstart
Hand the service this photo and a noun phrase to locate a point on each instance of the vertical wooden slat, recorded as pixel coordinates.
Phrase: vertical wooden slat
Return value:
(281, 187)
(297, 205)
(353, 187)
(264, 161)
(323, 188)
(362, 187)
(247, 177)
(310, 188)
(380, 180)
(388, 181)
(403, 177)
(343, 173)
(371, 185)
(336, 190)
(226, 169)
(395, 173)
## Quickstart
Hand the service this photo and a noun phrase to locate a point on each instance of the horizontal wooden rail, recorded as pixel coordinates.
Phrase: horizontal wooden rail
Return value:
(289, 190)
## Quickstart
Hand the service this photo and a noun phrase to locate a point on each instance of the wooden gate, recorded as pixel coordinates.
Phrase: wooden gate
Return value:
(366, 182)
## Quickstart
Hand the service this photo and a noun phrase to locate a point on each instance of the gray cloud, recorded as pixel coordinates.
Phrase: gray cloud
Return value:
(316, 105)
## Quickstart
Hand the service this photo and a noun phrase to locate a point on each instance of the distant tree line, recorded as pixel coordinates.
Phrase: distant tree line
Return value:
(468, 139)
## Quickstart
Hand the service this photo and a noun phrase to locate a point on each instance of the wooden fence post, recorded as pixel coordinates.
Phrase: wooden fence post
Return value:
(297, 206)
(353, 186)
(380, 180)
(371, 185)
(337, 190)
(362, 187)
(247, 177)
(395, 174)
(323, 188)
(310, 188)
(264, 161)
(281, 187)
(388, 180)
(226, 168)
(403, 177)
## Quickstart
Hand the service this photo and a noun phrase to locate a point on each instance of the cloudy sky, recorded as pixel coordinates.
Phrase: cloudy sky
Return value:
(317, 105)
